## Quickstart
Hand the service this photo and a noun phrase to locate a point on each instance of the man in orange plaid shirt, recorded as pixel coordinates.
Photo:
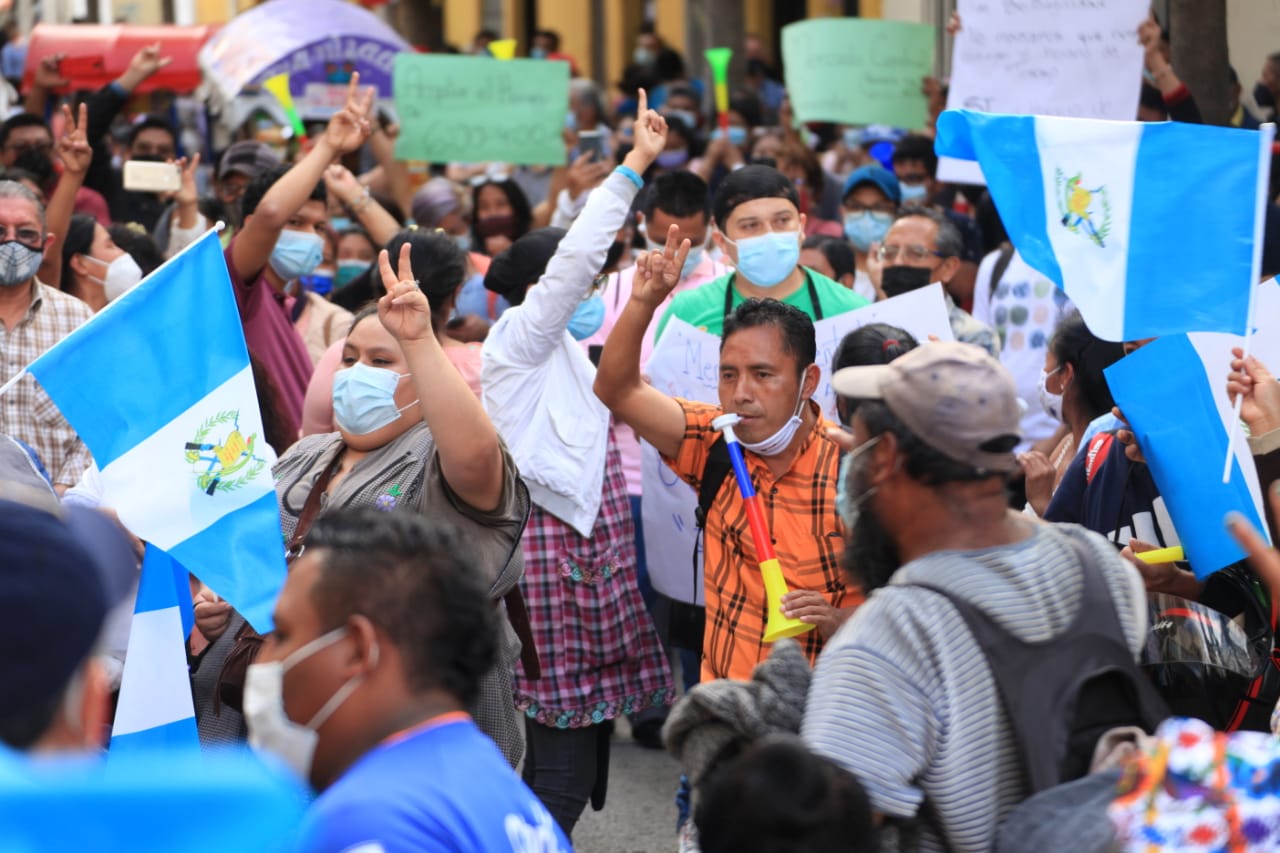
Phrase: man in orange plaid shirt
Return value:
(767, 377)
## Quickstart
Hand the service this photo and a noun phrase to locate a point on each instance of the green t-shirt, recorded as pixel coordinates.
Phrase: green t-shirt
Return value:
(703, 307)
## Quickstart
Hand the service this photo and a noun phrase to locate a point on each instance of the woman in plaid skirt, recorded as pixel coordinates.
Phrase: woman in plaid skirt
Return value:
(600, 655)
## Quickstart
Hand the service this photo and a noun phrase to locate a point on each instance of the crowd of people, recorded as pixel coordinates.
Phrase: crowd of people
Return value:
(453, 375)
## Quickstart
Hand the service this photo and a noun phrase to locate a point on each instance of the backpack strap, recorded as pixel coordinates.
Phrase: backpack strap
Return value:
(687, 622)
(1078, 684)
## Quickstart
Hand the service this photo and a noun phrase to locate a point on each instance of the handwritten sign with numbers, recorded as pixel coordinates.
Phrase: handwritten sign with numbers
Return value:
(1043, 57)
(686, 364)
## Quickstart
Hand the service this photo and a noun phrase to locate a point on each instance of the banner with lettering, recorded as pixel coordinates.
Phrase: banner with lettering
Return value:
(1074, 60)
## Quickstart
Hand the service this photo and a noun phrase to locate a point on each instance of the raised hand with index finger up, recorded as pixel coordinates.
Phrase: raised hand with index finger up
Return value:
(650, 135)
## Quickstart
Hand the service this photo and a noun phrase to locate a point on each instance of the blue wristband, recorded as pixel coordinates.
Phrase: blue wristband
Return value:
(631, 176)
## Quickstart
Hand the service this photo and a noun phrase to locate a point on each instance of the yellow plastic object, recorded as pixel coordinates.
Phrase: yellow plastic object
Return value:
(775, 587)
(718, 58)
(279, 86)
(503, 48)
(1162, 555)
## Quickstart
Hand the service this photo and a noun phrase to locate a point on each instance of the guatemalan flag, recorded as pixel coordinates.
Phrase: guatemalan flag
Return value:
(1173, 392)
(155, 708)
(159, 387)
(1150, 229)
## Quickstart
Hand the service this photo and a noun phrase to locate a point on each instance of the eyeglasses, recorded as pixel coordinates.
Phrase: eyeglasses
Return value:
(910, 253)
(30, 237)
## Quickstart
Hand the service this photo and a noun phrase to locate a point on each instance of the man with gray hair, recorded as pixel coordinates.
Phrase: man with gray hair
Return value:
(924, 246)
(34, 317)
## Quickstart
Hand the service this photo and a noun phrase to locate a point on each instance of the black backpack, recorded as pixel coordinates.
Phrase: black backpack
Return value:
(1063, 694)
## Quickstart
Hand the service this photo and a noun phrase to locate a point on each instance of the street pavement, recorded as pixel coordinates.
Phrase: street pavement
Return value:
(639, 815)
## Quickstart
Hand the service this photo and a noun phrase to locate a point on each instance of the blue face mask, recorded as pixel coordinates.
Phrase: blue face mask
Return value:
(737, 134)
(364, 398)
(768, 259)
(537, 53)
(462, 241)
(852, 137)
(340, 223)
(587, 318)
(320, 284)
(297, 253)
(691, 260)
(866, 227)
(913, 193)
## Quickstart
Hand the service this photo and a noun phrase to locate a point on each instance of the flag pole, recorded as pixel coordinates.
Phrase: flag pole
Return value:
(1266, 135)
(217, 227)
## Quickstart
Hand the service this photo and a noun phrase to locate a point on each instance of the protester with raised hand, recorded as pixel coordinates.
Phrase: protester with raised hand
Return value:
(767, 378)
(76, 154)
(600, 654)
(1260, 411)
(284, 217)
(424, 446)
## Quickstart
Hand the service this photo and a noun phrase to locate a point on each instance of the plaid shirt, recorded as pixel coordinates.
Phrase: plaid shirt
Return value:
(26, 412)
(800, 509)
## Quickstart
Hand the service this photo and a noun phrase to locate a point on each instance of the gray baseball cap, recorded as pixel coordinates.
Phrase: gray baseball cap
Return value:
(955, 397)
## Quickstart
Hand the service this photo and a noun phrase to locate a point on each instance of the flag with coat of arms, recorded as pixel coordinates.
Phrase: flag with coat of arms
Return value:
(1150, 228)
(159, 387)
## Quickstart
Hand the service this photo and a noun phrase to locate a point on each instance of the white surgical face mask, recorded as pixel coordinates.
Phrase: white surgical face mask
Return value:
(122, 275)
(1049, 401)
(780, 440)
(270, 729)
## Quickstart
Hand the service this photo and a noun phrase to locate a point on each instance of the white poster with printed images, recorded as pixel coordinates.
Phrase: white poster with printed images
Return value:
(1029, 57)
(686, 364)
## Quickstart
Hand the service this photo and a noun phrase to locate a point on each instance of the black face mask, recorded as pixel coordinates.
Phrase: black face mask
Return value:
(615, 254)
(39, 164)
(895, 281)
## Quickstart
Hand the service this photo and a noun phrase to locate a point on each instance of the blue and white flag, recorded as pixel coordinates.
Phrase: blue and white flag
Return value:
(1173, 393)
(1151, 229)
(155, 708)
(159, 387)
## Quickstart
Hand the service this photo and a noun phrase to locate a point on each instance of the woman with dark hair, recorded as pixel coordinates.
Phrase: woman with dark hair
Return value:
(412, 437)
(501, 215)
(94, 268)
(443, 271)
(1074, 391)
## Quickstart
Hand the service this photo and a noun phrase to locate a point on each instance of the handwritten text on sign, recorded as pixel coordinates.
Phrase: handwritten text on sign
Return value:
(686, 364)
(1046, 57)
(475, 109)
(857, 71)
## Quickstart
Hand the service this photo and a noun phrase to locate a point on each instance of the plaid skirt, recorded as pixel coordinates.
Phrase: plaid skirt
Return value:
(599, 650)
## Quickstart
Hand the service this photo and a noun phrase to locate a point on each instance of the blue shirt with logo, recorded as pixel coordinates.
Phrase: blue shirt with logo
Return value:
(443, 786)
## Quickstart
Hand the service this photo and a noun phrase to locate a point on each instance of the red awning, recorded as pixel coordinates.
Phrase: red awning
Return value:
(95, 55)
